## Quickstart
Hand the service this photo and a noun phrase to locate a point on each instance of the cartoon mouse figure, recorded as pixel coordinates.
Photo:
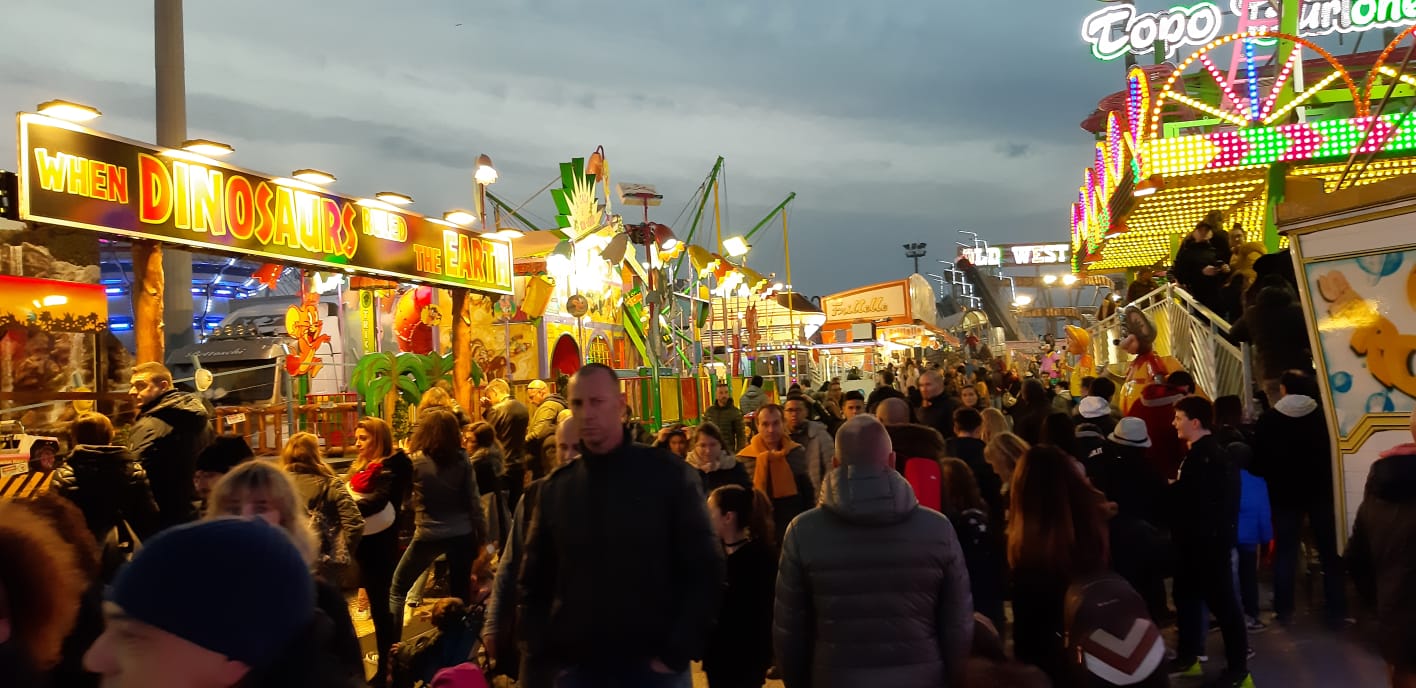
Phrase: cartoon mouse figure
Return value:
(1079, 345)
(304, 324)
(1147, 366)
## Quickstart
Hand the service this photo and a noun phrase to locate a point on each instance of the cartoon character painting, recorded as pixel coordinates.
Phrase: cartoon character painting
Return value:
(1138, 339)
(1084, 365)
(414, 318)
(304, 324)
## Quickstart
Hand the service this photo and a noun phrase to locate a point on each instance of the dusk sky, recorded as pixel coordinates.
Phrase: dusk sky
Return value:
(894, 122)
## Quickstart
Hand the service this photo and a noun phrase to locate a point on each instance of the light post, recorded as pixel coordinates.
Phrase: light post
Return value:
(483, 175)
(915, 251)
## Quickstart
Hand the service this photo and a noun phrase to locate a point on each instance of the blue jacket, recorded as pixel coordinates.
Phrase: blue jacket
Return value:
(1255, 518)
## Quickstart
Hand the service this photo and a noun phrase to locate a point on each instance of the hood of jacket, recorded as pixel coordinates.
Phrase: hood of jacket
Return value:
(92, 459)
(1157, 394)
(492, 454)
(1393, 476)
(725, 461)
(752, 393)
(174, 406)
(868, 495)
(1295, 405)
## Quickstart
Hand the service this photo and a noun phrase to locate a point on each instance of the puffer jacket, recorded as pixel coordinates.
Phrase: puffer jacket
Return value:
(729, 421)
(543, 421)
(167, 436)
(110, 487)
(1380, 556)
(872, 589)
(820, 452)
(752, 399)
(1292, 453)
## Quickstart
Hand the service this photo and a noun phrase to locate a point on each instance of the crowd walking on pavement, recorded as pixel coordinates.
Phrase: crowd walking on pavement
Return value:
(989, 533)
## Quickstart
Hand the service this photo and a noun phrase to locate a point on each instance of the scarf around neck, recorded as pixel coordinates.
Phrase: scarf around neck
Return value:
(772, 474)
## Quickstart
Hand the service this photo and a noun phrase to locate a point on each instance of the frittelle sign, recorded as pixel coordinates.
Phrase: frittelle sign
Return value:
(872, 304)
(82, 178)
(1118, 28)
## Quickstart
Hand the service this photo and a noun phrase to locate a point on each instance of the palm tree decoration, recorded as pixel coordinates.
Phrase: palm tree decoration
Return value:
(380, 378)
(578, 211)
(438, 367)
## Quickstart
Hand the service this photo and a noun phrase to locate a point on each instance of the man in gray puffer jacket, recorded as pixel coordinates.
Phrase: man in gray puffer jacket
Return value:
(872, 589)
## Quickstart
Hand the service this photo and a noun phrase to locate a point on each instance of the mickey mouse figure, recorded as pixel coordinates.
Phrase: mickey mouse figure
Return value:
(1138, 339)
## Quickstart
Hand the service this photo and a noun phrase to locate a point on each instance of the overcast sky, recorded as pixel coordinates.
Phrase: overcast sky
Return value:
(893, 121)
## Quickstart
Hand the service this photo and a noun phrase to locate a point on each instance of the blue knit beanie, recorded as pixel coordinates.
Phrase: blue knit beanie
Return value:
(236, 587)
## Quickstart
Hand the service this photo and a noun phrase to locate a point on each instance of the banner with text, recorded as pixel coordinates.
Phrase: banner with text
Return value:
(77, 177)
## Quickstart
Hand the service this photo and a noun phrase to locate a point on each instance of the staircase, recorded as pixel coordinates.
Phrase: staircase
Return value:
(1187, 330)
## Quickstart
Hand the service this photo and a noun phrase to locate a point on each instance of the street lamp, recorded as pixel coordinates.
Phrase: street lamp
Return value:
(915, 251)
(1022, 300)
(485, 174)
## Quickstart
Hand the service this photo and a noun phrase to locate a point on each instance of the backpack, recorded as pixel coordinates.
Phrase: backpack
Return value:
(1110, 637)
(334, 555)
(927, 479)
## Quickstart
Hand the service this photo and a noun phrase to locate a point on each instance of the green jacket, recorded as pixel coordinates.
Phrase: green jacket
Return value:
(729, 420)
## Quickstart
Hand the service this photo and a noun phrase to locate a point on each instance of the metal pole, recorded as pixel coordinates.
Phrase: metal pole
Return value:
(791, 312)
(169, 68)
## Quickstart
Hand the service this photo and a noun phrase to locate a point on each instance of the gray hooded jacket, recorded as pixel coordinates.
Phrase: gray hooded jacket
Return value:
(873, 589)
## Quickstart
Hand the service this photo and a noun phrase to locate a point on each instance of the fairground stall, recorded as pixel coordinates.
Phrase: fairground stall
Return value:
(1355, 253)
(868, 327)
(1222, 127)
(315, 307)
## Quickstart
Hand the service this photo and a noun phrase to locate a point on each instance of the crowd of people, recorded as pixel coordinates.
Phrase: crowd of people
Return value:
(828, 540)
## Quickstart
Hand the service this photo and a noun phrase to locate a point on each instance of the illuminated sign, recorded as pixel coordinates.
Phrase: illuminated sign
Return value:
(1118, 29)
(77, 177)
(871, 304)
(1012, 255)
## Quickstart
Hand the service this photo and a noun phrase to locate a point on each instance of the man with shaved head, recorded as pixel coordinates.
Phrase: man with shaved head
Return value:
(910, 439)
(937, 409)
(872, 589)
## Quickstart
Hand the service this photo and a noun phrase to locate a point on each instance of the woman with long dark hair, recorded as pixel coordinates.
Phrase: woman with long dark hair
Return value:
(740, 648)
(1057, 535)
(980, 538)
(379, 479)
(1031, 411)
(448, 518)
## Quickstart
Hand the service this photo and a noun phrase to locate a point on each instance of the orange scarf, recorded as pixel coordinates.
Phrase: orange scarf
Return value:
(772, 474)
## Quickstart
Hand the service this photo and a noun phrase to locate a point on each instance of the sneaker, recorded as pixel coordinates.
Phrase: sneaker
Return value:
(1233, 680)
(1182, 667)
(1256, 626)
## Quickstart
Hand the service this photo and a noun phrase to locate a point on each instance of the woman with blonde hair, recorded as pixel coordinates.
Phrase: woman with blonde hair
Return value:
(261, 490)
(334, 516)
(1057, 535)
(995, 423)
(379, 479)
(1003, 452)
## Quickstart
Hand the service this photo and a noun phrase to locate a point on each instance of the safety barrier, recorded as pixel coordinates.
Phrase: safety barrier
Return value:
(25, 485)
(1187, 330)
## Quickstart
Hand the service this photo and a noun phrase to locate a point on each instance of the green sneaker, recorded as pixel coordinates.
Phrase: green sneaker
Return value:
(1185, 667)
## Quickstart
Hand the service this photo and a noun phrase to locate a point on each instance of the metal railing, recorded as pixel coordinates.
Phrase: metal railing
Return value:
(1187, 330)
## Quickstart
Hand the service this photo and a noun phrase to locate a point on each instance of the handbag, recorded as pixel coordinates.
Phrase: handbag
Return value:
(334, 557)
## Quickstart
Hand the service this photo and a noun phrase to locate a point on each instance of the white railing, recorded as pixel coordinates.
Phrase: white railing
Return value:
(1187, 330)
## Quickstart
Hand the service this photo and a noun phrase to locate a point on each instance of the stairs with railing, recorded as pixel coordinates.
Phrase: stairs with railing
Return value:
(1187, 330)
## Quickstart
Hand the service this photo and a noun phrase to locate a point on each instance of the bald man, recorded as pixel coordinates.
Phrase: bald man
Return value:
(872, 589)
(937, 409)
(910, 439)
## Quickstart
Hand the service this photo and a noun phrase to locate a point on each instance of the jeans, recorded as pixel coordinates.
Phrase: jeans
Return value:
(1288, 534)
(377, 556)
(1247, 574)
(633, 678)
(461, 550)
(1204, 576)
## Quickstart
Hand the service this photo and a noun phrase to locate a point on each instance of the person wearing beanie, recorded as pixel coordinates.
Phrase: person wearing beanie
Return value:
(222, 455)
(204, 604)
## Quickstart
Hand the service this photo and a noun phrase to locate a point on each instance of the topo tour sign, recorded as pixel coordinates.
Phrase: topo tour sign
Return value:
(1119, 29)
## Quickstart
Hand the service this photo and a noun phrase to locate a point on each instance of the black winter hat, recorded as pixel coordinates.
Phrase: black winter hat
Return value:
(224, 453)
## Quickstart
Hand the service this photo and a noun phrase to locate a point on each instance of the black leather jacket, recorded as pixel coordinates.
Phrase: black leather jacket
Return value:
(110, 487)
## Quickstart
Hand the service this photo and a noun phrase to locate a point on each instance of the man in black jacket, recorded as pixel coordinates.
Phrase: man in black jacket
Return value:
(967, 444)
(1293, 454)
(1205, 513)
(938, 409)
(884, 389)
(623, 574)
(171, 429)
